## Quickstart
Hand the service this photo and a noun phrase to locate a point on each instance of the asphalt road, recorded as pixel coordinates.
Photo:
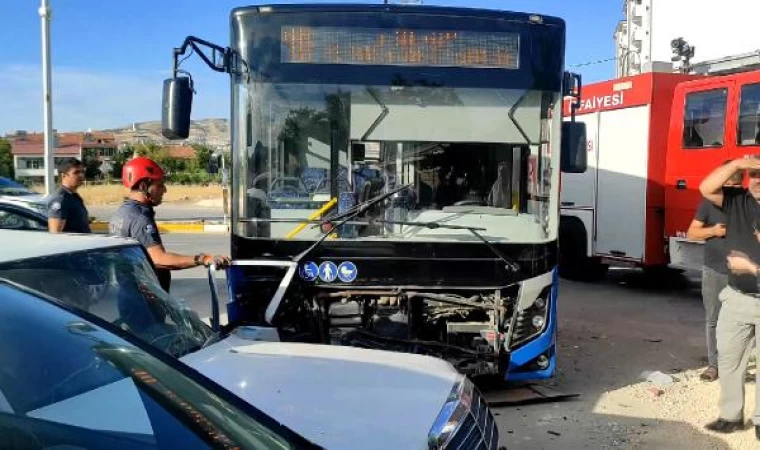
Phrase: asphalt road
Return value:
(609, 333)
(192, 285)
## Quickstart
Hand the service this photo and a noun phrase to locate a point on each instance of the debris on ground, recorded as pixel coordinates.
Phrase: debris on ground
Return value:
(525, 395)
(657, 392)
(657, 378)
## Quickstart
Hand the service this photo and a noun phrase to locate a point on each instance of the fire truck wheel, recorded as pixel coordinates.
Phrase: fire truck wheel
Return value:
(584, 269)
(574, 264)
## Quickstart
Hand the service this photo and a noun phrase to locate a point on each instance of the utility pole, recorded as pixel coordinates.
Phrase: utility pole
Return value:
(45, 13)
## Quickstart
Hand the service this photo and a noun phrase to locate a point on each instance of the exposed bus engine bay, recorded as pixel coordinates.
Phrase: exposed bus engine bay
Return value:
(470, 328)
(461, 328)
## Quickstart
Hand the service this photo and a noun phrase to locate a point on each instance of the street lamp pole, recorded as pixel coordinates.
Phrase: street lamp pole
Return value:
(45, 14)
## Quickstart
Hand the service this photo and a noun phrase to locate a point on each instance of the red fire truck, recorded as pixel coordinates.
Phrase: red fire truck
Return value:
(652, 138)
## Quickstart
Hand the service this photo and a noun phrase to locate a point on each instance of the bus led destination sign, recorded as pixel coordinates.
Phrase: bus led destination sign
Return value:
(383, 46)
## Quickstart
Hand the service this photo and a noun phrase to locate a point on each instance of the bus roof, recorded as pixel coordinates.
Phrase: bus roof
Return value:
(397, 8)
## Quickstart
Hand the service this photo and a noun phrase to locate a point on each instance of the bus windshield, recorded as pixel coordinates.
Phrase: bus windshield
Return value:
(470, 157)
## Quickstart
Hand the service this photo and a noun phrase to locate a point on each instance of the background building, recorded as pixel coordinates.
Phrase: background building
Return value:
(721, 33)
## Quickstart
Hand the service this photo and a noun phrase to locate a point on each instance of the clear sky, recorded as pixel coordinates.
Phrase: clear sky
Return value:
(109, 57)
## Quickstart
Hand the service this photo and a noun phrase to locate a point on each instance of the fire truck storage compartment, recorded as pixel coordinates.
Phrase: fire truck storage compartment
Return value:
(613, 189)
(622, 182)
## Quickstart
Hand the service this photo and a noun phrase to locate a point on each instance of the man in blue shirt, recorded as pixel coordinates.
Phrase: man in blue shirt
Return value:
(135, 219)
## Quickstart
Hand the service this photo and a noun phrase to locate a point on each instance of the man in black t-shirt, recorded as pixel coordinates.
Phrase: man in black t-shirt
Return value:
(739, 317)
(709, 225)
(66, 210)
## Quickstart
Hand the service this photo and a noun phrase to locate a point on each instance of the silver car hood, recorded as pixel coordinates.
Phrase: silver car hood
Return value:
(337, 397)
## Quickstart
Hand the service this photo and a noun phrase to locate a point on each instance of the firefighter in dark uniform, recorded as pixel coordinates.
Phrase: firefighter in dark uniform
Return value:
(135, 219)
(66, 210)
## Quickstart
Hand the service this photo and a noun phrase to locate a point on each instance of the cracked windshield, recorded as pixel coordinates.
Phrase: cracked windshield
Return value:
(120, 287)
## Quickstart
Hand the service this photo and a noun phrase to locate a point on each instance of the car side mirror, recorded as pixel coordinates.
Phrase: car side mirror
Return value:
(176, 108)
(574, 154)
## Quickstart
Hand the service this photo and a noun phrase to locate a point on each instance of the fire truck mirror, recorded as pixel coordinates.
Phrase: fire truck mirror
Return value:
(176, 106)
(574, 153)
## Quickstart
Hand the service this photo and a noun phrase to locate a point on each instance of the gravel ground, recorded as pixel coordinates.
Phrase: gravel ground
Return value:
(610, 333)
(689, 400)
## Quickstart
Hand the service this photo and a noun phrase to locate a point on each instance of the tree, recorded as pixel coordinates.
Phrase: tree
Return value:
(6, 159)
(119, 159)
(202, 156)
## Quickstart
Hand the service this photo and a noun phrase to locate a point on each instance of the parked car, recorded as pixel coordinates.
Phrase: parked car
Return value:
(336, 397)
(16, 217)
(68, 382)
(16, 193)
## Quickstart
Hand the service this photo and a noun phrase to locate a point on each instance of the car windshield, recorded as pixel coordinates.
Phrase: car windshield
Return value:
(67, 383)
(120, 286)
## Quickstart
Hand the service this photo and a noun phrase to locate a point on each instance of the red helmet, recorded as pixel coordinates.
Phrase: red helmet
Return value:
(138, 169)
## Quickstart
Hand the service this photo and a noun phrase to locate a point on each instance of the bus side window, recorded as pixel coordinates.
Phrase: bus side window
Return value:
(749, 116)
(705, 119)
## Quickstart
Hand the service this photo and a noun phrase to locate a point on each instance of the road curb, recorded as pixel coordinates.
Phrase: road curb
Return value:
(174, 227)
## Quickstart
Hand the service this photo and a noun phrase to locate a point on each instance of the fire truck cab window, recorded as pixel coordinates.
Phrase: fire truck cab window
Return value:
(749, 116)
(705, 119)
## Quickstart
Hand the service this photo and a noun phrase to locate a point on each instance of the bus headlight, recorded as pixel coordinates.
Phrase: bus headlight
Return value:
(532, 321)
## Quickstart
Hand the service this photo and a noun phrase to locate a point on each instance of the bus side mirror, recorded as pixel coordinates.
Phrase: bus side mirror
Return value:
(176, 106)
(574, 155)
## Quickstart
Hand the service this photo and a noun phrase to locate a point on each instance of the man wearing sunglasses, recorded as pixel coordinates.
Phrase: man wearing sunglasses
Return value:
(739, 317)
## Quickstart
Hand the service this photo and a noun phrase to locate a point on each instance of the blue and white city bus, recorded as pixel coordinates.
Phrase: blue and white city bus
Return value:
(395, 177)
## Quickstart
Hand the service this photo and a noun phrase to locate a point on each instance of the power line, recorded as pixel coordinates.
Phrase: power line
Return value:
(591, 63)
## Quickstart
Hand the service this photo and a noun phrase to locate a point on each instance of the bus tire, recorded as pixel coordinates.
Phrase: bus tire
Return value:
(574, 264)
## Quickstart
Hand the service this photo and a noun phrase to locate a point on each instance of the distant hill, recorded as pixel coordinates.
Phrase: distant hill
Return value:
(211, 132)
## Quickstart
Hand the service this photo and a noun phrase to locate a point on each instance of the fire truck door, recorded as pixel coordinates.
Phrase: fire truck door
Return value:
(698, 143)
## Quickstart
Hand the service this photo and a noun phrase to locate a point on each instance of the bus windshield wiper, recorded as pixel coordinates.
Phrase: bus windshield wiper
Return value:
(347, 216)
(510, 263)
(361, 207)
